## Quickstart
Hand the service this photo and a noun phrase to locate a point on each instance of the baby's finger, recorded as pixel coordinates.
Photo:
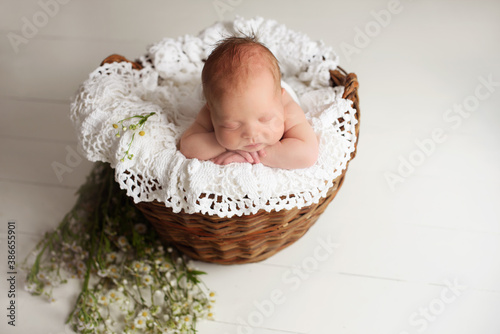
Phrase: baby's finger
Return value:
(255, 157)
(228, 160)
(219, 159)
(248, 157)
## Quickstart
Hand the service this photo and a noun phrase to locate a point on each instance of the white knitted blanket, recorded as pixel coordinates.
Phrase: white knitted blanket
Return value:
(169, 85)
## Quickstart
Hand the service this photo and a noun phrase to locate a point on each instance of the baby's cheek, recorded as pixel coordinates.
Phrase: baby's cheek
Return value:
(226, 140)
(278, 131)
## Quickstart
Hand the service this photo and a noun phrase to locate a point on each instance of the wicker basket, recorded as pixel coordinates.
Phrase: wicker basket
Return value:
(249, 238)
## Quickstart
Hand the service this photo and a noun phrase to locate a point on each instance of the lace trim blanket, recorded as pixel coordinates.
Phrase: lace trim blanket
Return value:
(169, 85)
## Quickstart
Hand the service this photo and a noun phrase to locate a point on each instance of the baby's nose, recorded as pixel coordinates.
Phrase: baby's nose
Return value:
(251, 131)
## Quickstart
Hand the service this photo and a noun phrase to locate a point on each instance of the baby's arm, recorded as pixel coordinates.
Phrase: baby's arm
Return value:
(299, 146)
(199, 140)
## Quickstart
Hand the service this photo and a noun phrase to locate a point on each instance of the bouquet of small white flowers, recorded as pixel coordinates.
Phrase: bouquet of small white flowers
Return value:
(132, 283)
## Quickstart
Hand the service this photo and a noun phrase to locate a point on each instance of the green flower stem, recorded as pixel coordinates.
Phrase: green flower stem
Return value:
(84, 293)
(101, 223)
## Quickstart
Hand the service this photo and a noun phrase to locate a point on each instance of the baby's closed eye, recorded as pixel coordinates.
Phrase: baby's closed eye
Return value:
(265, 119)
(230, 126)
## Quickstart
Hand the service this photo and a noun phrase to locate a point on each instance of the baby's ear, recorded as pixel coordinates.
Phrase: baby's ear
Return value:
(282, 91)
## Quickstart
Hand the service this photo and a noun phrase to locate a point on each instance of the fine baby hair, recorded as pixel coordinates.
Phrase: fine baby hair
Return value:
(231, 61)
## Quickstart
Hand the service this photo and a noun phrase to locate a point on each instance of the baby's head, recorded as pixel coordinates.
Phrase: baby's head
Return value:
(242, 85)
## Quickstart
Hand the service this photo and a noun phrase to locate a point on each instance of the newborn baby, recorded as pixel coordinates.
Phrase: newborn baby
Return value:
(248, 117)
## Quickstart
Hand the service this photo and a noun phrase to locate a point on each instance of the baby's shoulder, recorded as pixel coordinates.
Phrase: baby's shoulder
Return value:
(203, 118)
(293, 112)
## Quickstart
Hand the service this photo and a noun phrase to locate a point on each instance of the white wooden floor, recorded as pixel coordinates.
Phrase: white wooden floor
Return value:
(412, 242)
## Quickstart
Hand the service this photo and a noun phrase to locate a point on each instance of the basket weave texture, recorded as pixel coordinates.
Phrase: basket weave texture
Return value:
(249, 238)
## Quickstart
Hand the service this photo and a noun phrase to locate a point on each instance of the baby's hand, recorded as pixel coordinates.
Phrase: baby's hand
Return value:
(238, 156)
(227, 158)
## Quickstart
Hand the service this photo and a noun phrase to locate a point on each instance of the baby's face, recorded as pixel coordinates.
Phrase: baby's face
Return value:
(250, 118)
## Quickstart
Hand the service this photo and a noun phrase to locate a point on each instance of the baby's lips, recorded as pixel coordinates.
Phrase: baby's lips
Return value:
(251, 146)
